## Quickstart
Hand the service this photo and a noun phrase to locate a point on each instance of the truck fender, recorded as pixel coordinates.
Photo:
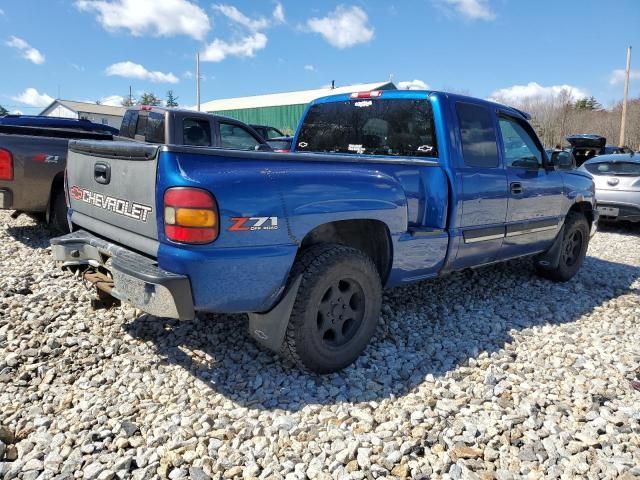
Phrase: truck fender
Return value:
(269, 328)
(550, 259)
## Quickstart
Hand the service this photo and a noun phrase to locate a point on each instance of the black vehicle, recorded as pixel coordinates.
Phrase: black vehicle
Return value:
(587, 146)
(267, 132)
(196, 129)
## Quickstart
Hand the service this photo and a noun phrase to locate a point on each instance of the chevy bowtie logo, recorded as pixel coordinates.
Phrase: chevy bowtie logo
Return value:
(118, 206)
(75, 193)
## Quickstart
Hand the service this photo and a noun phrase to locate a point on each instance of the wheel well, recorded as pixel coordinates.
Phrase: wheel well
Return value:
(585, 209)
(56, 184)
(369, 236)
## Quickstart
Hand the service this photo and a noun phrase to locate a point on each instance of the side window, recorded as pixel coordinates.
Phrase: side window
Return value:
(479, 147)
(520, 149)
(236, 137)
(196, 132)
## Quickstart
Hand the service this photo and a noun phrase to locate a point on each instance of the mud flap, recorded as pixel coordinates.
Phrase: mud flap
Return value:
(268, 329)
(550, 259)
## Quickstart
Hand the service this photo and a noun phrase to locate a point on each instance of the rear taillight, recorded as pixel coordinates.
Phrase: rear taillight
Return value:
(190, 215)
(6, 165)
(281, 150)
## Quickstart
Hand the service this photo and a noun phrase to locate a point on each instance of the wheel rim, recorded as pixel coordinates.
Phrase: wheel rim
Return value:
(572, 248)
(340, 313)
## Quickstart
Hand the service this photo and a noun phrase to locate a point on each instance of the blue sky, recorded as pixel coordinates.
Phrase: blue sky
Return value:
(95, 49)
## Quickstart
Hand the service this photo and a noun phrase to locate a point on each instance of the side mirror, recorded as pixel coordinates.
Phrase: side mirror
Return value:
(263, 147)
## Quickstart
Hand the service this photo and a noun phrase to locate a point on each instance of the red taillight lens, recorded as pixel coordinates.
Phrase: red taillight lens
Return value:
(190, 215)
(281, 150)
(371, 94)
(6, 165)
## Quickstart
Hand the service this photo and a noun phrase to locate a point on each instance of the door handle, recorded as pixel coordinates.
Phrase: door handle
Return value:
(102, 173)
(516, 188)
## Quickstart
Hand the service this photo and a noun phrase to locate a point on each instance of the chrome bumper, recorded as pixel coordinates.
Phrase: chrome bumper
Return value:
(138, 280)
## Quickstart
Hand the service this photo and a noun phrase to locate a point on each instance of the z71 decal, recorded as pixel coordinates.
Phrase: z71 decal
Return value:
(246, 224)
(118, 206)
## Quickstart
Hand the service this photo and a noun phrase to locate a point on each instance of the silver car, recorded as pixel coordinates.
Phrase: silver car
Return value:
(617, 180)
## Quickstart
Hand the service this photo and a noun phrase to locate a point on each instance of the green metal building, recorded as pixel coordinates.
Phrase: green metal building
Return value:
(281, 110)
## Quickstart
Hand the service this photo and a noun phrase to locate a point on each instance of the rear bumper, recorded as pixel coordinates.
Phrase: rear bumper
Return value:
(137, 279)
(6, 198)
(626, 211)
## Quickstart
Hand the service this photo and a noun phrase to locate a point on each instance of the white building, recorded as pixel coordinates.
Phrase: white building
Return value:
(103, 114)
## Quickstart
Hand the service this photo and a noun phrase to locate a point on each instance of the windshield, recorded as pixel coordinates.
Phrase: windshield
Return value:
(614, 168)
(395, 127)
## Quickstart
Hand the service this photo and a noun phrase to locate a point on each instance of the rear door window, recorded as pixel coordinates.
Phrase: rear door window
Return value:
(478, 135)
(393, 127)
(237, 137)
(196, 132)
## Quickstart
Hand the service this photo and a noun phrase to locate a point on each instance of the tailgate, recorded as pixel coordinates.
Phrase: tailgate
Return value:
(113, 184)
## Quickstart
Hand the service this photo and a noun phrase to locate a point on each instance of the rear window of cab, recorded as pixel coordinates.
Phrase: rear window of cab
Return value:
(367, 126)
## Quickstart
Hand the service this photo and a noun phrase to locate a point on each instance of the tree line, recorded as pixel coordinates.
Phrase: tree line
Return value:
(149, 98)
(560, 115)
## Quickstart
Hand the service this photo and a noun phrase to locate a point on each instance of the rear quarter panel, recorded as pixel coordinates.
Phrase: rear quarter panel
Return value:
(246, 270)
(36, 162)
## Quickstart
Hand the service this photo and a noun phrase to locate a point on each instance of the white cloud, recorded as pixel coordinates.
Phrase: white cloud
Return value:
(112, 100)
(344, 27)
(278, 13)
(617, 76)
(33, 98)
(16, 112)
(27, 51)
(135, 70)
(470, 9)
(254, 25)
(218, 50)
(413, 85)
(163, 18)
(77, 67)
(188, 74)
(534, 91)
(310, 68)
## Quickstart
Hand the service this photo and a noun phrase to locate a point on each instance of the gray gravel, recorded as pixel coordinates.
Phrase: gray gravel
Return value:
(493, 373)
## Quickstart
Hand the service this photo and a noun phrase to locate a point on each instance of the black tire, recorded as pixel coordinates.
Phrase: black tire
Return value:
(574, 246)
(320, 336)
(58, 220)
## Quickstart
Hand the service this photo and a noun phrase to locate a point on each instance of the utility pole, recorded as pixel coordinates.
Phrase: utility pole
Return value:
(624, 100)
(198, 80)
(130, 96)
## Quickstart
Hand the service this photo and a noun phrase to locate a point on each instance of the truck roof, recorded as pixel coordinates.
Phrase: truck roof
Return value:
(419, 95)
(56, 122)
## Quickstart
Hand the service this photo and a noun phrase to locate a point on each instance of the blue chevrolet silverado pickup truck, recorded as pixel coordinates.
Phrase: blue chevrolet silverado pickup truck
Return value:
(382, 189)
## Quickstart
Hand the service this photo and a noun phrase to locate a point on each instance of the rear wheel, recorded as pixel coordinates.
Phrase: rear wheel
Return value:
(59, 212)
(574, 246)
(336, 310)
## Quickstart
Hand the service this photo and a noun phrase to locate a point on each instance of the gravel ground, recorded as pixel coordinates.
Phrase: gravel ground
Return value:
(492, 373)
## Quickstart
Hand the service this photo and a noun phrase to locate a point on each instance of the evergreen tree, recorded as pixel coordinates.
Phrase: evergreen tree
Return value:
(149, 98)
(128, 102)
(3, 111)
(172, 101)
